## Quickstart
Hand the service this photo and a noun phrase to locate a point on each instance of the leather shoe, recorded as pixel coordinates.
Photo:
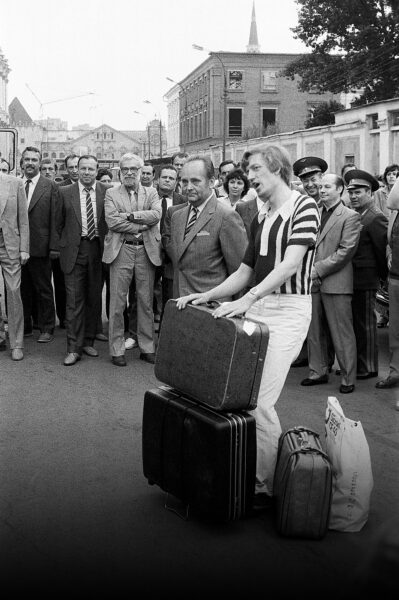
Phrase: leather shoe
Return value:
(346, 389)
(261, 502)
(148, 357)
(45, 337)
(90, 351)
(71, 358)
(309, 381)
(300, 362)
(17, 354)
(367, 375)
(387, 383)
(101, 337)
(119, 361)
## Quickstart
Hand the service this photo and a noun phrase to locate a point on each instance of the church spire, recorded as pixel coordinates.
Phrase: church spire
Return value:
(253, 45)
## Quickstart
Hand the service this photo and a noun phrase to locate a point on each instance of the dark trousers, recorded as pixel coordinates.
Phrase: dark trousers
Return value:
(104, 279)
(365, 327)
(59, 290)
(37, 292)
(83, 296)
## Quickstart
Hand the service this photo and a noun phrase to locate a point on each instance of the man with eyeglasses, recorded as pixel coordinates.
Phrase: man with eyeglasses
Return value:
(82, 228)
(132, 248)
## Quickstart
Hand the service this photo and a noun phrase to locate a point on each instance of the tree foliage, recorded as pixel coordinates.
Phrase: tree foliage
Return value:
(354, 45)
(323, 114)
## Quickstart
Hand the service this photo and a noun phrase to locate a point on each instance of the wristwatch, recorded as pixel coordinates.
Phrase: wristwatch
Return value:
(254, 292)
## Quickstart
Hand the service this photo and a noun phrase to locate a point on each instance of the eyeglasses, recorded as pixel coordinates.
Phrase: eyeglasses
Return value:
(126, 170)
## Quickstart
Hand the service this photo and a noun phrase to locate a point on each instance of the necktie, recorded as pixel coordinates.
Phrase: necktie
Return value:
(164, 209)
(91, 228)
(27, 184)
(191, 220)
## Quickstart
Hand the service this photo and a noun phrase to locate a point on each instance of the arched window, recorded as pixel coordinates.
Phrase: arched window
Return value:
(53, 155)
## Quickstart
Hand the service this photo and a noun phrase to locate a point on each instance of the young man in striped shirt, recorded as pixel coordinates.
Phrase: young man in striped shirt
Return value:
(280, 255)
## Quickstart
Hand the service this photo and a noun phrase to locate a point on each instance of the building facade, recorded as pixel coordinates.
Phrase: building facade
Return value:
(4, 72)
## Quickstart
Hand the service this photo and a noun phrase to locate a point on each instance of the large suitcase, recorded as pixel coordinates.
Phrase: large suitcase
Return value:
(204, 458)
(302, 485)
(218, 362)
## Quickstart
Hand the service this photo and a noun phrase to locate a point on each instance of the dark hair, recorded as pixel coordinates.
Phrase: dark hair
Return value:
(148, 164)
(179, 155)
(32, 149)
(170, 167)
(103, 171)
(237, 174)
(389, 169)
(208, 164)
(347, 166)
(49, 161)
(69, 158)
(87, 157)
(226, 162)
(3, 160)
(276, 159)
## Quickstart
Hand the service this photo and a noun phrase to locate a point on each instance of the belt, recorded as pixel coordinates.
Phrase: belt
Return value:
(134, 242)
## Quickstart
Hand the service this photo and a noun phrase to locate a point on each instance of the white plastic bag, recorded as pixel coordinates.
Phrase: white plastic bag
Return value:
(349, 454)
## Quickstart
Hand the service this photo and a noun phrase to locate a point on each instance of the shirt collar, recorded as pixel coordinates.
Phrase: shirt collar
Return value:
(202, 206)
(83, 187)
(34, 179)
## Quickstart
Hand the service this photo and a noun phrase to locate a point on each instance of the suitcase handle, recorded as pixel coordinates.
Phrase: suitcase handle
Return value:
(309, 450)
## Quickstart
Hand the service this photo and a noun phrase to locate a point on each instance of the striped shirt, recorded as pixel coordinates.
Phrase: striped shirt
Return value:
(297, 222)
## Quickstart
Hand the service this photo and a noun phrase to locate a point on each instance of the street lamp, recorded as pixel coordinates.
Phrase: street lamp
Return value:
(183, 132)
(148, 133)
(160, 129)
(224, 97)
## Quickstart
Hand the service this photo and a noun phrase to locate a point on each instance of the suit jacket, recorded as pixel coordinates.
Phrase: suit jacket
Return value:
(211, 251)
(247, 211)
(369, 262)
(117, 209)
(66, 181)
(69, 223)
(335, 248)
(14, 221)
(42, 212)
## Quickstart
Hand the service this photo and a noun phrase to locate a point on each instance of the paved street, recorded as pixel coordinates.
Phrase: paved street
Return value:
(77, 513)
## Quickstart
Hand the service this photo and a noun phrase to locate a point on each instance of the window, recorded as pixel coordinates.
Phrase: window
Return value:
(235, 122)
(235, 80)
(22, 140)
(268, 117)
(62, 155)
(395, 118)
(104, 136)
(112, 136)
(373, 121)
(98, 136)
(53, 155)
(349, 158)
(269, 80)
(98, 155)
(45, 154)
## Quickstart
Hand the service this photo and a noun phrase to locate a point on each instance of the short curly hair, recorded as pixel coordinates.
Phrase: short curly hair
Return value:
(237, 174)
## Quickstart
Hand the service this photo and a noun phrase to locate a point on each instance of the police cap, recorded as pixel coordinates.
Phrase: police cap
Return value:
(309, 164)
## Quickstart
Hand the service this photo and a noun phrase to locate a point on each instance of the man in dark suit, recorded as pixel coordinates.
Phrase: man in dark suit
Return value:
(332, 288)
(82, 228)
(248, 211)
(43, 198)
(71, 165)
(369, 268)
(206, 240)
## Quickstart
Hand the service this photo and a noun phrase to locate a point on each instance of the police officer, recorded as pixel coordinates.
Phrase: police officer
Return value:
(309, 170)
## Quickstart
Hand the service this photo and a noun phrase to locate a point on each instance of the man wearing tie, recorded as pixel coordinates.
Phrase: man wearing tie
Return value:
(82, 228)
(132, 248)
(36, 287)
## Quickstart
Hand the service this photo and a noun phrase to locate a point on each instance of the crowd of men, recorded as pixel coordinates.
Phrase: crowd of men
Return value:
(154, 236)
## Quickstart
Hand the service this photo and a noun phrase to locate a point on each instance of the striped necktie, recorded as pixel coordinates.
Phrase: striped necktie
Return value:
(191, 220)
(91, 227)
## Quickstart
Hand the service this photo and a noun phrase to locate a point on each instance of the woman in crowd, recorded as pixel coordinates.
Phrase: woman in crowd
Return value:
(236, 187)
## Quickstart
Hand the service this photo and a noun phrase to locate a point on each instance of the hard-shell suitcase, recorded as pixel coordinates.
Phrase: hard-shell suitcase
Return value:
(205, 458)
(302, 485)
(218, 362)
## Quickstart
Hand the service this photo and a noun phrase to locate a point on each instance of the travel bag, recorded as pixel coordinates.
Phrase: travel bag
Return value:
(302, 485)
(218, 362)
(205, 458)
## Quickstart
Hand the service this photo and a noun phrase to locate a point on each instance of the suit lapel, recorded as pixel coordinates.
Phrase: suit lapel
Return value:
(330, 224)
(37, 193)
(201, 221)
(4, 193)
(75, 201)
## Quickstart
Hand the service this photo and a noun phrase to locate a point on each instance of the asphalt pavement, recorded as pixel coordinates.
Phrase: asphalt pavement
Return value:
(79, 518)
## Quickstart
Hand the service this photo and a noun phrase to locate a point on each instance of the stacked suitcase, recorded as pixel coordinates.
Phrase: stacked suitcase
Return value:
(199, 441)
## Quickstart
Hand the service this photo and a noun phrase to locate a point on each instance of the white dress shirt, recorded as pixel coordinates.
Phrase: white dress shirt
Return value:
(32, 186)
(83, 210)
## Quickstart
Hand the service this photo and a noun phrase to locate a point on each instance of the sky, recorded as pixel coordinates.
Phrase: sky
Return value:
(100, 60)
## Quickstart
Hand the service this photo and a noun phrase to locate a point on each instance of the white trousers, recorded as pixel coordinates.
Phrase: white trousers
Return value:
(287, 317)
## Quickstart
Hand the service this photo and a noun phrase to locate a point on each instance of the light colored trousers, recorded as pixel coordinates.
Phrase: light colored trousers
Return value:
(132, 261)
(12, 281)
(287, 317)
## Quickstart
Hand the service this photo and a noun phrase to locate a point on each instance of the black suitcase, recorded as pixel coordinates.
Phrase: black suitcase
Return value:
(302, 485)
(204, 458)
(218, 362)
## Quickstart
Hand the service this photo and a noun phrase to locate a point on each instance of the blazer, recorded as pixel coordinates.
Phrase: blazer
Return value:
(14, 221)
(335, 248)
(211, 251)
(369, 262)
(117, 209)
(69, 223)
(247, 211)
(67, 181)
(42, 212)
